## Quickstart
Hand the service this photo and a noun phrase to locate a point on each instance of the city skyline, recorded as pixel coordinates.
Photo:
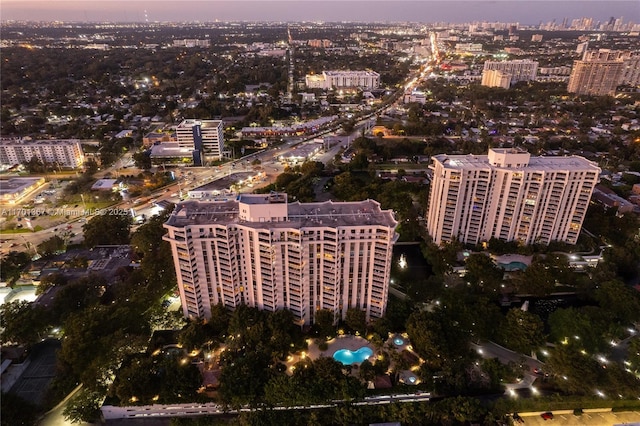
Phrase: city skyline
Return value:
(522, 11)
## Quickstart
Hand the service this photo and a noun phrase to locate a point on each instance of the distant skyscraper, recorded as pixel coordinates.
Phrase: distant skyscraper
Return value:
(509, 195)
(261, 251)
(204, 137)
(599, 72)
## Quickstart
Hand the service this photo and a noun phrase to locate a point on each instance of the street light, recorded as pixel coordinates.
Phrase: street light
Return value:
(29, 246)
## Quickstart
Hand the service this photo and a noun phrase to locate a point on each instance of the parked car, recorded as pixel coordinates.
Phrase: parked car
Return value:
(547, 416)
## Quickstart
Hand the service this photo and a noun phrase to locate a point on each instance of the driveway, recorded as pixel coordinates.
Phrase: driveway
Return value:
(489, 350)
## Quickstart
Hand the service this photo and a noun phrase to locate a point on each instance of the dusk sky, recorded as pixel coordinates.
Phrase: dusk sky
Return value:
(523, 11)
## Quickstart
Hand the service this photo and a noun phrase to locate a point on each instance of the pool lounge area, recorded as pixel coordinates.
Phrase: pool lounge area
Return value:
(351, 351)
(348, 350)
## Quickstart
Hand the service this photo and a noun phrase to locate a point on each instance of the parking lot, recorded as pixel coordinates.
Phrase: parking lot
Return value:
(586, 419)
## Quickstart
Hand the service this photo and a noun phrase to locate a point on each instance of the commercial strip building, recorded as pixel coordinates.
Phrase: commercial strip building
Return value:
(171, 152)
(264, 252)
(601, 71)
(343, 79)
(66, 153)
(14, 189)
(509, 195)
(297, 129)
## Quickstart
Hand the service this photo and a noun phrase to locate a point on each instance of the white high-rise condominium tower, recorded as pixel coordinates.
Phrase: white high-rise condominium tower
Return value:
(518, 70)
(264, 252)
(509, 195)
(204, 137)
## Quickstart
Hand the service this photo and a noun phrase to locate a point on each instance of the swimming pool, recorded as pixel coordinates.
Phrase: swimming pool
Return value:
(398, 341)
(347, 357)
(513, 266)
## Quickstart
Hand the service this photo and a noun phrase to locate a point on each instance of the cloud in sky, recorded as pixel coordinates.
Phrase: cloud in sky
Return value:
(524, 11)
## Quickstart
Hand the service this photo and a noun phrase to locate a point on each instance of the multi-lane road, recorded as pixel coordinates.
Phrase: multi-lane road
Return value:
(186, 179)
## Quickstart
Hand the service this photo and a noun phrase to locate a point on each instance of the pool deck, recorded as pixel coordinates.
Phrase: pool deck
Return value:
(399, 348)
(353, 343)
(406, 376)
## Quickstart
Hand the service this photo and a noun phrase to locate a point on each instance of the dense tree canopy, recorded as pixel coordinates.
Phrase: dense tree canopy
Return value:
(579, 373)
(522, 331)
(356, 321)
(12, 265)
(157, 259)
(164, 378)
(22, 322)
(621, 301)
(51, 246)
(313, 381)
(537, 280)
(589, 323)
(257, 342)
(445, 347)
(107, 229)
(84, 407)
(324, 320)
(483, 274)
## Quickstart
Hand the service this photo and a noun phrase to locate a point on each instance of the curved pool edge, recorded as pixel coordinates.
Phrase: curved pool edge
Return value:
(349, 357)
